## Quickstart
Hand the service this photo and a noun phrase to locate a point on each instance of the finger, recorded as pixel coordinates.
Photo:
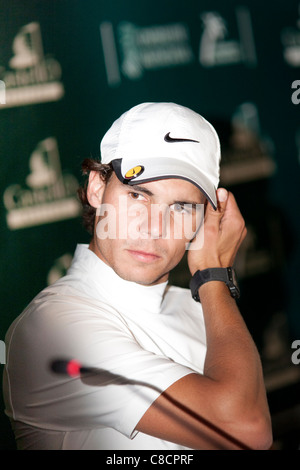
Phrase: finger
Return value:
(222, 196)
(232, 215)
(232, 206)
(211, 213)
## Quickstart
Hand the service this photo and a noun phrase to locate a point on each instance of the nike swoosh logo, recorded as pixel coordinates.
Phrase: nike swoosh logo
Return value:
(169, 139)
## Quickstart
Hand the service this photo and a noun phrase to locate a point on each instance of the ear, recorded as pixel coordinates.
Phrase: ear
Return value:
(95, 189)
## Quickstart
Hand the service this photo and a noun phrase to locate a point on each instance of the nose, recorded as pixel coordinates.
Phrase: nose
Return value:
(154, 224)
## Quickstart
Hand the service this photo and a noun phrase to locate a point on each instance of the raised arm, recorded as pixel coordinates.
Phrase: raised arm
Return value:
(226, 407)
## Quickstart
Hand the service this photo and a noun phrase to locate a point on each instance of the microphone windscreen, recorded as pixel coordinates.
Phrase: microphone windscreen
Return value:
(71, 368)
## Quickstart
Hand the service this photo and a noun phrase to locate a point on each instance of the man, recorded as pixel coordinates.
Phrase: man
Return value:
(161, 367)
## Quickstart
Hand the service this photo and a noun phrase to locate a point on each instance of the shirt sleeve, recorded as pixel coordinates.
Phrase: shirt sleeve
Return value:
(124, 381)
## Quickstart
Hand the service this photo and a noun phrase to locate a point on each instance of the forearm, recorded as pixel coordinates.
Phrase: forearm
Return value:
(232, 360)
(228, 339)
(227, 402)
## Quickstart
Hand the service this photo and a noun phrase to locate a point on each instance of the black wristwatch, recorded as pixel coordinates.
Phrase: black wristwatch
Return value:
(226, 275)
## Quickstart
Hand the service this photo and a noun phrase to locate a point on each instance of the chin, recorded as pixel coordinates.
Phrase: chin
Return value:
(140, 276)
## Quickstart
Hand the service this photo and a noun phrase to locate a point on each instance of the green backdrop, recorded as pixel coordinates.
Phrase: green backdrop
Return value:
(68, 68)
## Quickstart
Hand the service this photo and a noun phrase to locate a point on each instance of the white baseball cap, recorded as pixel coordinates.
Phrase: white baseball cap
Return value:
(155, 141)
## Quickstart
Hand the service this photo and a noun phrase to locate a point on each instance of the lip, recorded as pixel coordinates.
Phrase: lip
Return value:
(143, 256)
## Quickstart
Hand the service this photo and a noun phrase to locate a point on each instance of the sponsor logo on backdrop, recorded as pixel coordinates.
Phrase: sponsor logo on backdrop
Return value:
(130, 50)
(217, 47)
(2, 92)
(143, 48)
(31, 76)
(49, 195)
(248, 156)
(290, 38)
(59, 268)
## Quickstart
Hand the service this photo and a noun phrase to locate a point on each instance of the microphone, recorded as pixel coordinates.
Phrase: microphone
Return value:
(102, 377)
(89, 375)
(70, 367)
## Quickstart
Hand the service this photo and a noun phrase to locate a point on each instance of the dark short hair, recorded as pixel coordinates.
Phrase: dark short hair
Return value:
(89, 212)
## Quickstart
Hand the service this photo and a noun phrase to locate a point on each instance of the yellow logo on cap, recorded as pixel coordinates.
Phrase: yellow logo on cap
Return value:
(134, 172)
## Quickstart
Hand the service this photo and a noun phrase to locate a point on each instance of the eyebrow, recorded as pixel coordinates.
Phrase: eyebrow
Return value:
(144, 190)
(141, 189)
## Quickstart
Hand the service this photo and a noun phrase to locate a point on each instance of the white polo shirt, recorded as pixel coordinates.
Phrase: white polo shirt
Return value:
(139, 339)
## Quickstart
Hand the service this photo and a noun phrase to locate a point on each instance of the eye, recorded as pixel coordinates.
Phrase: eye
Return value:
(181, 208)
(137, 196)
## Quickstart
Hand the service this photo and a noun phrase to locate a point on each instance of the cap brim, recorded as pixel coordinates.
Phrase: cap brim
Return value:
(164, 169)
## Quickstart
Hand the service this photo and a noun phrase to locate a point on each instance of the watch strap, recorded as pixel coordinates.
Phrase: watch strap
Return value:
(226, 275)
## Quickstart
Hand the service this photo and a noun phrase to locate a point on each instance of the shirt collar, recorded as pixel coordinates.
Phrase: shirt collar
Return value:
(106, 285)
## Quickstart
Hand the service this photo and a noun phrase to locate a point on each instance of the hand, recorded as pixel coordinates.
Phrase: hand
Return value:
(220, 236)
